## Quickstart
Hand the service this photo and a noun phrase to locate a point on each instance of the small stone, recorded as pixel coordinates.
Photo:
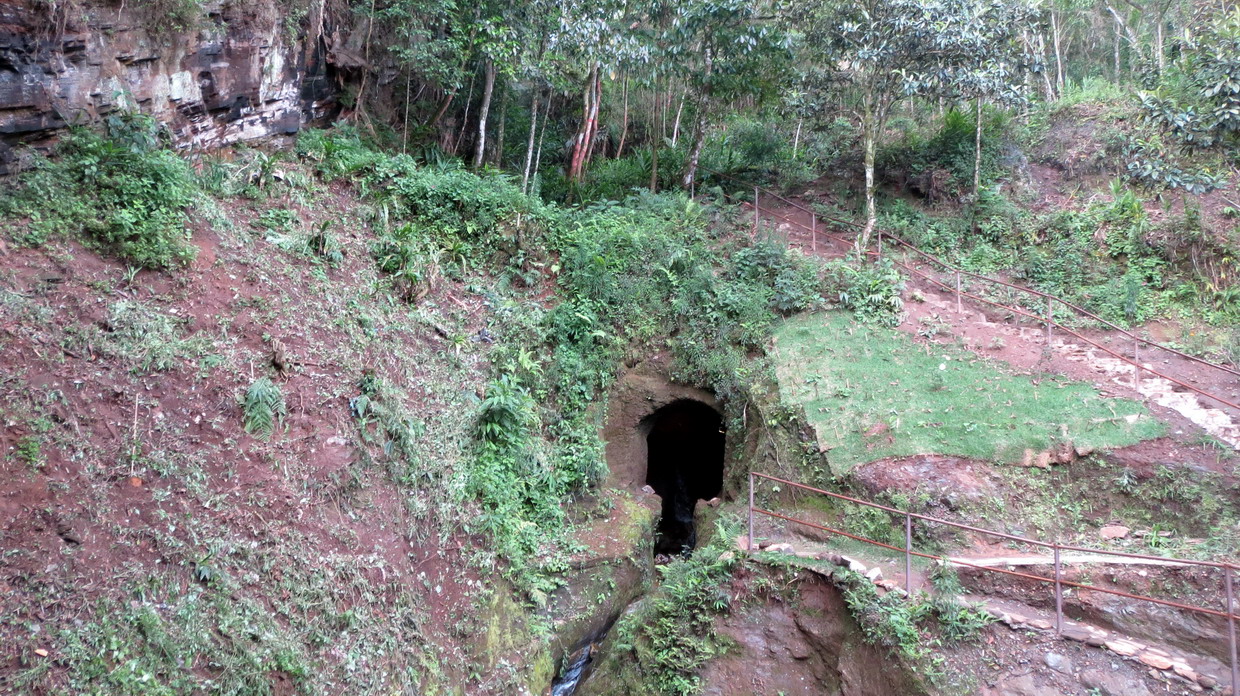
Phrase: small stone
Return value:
(874, 574)
(1016, 618)
(1114, 532)
(647, 490)
(781, 548)
(1155, 661)
(40, 652)
(856, 566)
(1059, 663)
(726, 556)
(1041, 624)
(1207, 681)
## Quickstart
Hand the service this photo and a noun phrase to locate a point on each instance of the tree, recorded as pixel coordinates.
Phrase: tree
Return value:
(880, 52)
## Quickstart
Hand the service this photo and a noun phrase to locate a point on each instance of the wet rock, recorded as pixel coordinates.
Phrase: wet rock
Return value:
(1155, 661)
(951, 482)
(1114, 684)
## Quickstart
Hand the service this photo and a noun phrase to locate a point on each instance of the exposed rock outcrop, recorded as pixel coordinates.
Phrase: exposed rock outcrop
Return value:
(239, 74)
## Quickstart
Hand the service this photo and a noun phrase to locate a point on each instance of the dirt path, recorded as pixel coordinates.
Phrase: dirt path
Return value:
(992, 332)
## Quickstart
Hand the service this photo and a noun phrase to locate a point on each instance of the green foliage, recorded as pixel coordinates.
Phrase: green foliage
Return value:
(920, 160)
(263, 408)
(411, 257)
(676, 634)
(945, 402)
(123, 191)
(873, 292)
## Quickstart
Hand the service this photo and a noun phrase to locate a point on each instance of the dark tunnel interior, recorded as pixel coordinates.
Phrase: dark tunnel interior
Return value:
(684, 464)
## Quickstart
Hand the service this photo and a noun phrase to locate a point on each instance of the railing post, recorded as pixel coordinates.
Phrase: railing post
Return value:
(908, 554)
(1231, 628)
(755, 211)
(959, 310)
(813, 233)
(1049, 311)
(1058, 593)
(749, 544)
(1136, 368)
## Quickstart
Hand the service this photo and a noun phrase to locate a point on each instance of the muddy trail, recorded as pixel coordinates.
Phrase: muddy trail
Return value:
(996, 333)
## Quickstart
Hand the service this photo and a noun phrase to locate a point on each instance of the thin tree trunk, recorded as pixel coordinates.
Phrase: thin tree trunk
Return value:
(1059, 79)
(679, 110)
(977, 152)
(655, 130)
(869, 134)
(1116, 50)
(592, 135)
(529, 146)
(443, 109)
(796, 139)
(469, 101)
(699, 134)
(624, 127)
(1158, 46)
(577, 161)
(487, 90)
(542, 134)
(498, 157)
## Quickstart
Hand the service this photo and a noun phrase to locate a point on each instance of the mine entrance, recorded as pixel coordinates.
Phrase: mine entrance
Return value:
(684, 464)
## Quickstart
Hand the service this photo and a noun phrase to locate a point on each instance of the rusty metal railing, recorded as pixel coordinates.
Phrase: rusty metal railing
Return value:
(1228, 569)
(1051, 300)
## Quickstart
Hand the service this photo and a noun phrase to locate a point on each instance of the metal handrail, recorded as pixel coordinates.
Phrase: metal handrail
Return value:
(1059, 583)
(970, 274)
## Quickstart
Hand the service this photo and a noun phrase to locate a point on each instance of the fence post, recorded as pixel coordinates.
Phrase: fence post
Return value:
(1231, 628)
(1049, 312)
(755, 211)
(813, 233)
(1136, 369)
(750, 542)
(908, 554)
(1058, 593)
(958, 307)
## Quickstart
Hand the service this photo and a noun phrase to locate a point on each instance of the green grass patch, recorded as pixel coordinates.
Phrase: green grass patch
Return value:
(870, 392)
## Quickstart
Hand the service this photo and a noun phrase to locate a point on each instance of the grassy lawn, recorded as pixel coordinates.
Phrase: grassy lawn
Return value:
(871, 392)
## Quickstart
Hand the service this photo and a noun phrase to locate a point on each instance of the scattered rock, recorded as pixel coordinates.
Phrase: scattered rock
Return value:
(727, 556)
(1114, 684)
(647, 490)
(1114, 532)
(1123, 647)
(875, 574)
(1059, 663)
(1155, 661)
(40, 652)
(781, 548)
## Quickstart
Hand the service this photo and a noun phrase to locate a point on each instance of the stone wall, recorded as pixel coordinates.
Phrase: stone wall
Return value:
(235, 76)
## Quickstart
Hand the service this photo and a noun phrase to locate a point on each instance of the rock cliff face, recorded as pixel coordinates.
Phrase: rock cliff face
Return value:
(237, 75)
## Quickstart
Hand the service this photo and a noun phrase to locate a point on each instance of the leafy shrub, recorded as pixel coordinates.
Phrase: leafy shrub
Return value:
(871, 291)
(411, 258)
(123, 191)
(263, 408)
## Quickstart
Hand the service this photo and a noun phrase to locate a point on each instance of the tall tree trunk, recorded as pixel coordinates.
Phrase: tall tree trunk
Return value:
(529, 146)
(977, 152)
(1059, 79)
(869, 134)
(443, 109)
(1116, 50)
(679, 110)
(581, 140)
(699, 133)
(655, 138)
(624, 124)
(487, 89)
(542, 133)
(1158, 45)
(592, 135)
(497, 157)
(796, 139)
(469, 102)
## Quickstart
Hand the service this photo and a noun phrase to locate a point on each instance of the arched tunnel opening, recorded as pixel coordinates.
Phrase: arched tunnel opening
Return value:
(684, 464)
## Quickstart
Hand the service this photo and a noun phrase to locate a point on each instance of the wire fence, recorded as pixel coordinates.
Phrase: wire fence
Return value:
(1227, 569)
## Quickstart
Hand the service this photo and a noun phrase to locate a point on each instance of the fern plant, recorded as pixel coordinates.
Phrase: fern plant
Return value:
(263, 407)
